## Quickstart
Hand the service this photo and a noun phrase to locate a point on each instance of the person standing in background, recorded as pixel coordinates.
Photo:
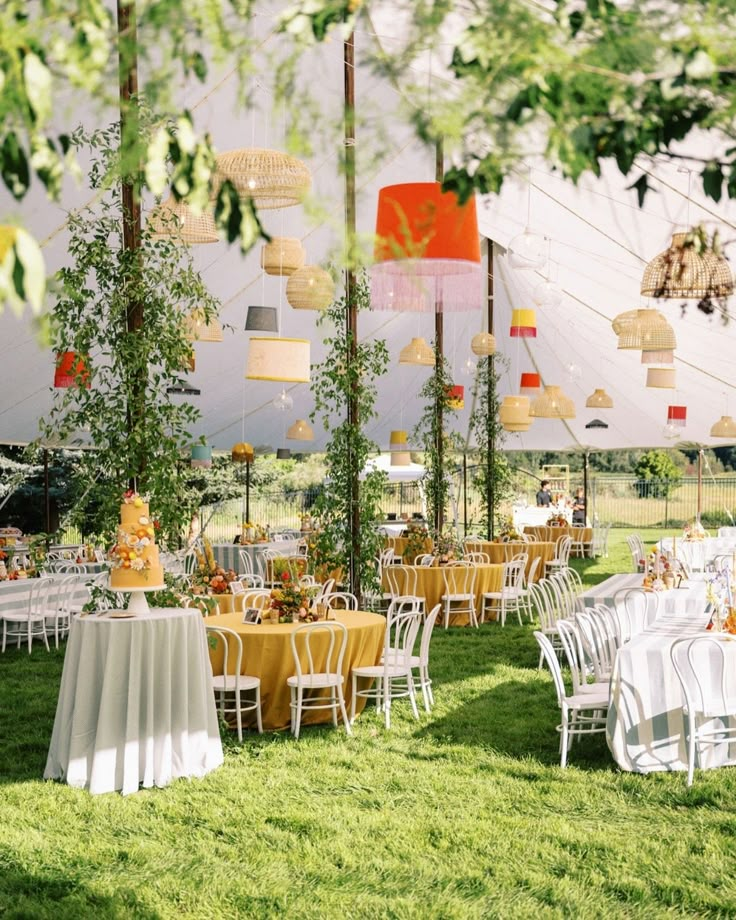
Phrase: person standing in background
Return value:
(578, 508)
(544, 499)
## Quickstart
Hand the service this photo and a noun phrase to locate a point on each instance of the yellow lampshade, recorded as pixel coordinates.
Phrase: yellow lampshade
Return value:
(300, 431)
(599, 399)
(242, 453)
(198, 328)
(399, 440)
(283, 255)
(310, 288)
(725, 427)
(483, 343)
(552, 403)
(417, 352)
(661, 378)
(286, 360)
(514, 413)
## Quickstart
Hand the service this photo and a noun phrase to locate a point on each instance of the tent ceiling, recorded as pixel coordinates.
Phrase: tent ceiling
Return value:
(600, 239)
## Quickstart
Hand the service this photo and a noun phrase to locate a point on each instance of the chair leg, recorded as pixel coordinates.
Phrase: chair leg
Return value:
(412, 694)
(345, 720)
(690, 750)
(259, 716)
(239, 712)
(299, 699)
(425, 688)
(564, 738)
(334, 709)
(447, 614)
(5, 633)
(352, 699)
(387, 702)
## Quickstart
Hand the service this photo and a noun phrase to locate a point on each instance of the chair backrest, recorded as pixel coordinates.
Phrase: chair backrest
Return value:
(592, 631)
(401, 579)
(513, 575)
(531, 575)
(553, 664)
(232, 660)
(342, 600)
(559, 597)
(427, 629)
(459, 578)
(324, 591)
(190, 563)
(301, 640)
(236, 587)
(477, 558)
(403, 620)
(530, 538)
(705, 668)
(40, 595)
(253, 597)
(543, 605)
(246, 562)
(386, 557)
(573, 649)
(562, 552)
(424, 559)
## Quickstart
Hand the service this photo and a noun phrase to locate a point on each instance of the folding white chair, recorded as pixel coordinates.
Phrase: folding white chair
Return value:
(459, 596)
(401, 580)
(425, 559)
(636, 548)
(251, 597)
(232, 682)
(402, 625)
(317, 677)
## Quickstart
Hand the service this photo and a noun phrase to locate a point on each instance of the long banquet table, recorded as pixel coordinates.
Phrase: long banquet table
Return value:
(15, 595)
(227, 555)
(646, 726)
(267, 654)
(697, 554)
(135, 704)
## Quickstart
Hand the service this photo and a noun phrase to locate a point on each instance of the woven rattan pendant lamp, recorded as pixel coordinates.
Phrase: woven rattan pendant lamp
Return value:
(683, 272)
(725, 427)
(174, 219)
(648, 331)
(661, 378)
(301, 430)
(417, 352)
(483, 344)
(310, 288)
(665, 356)
(552, 403)
(427, 251)
(199, 329)
(283, 255)
(269, 178)
(599, 399)
(514, 413)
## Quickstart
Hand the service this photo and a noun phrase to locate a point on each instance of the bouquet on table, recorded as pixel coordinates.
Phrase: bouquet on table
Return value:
(557, 520)
(447, 547)
(416, 542)
(719, 594)
(290, 601)
(508, 532)
(209, 577)
(693, 531)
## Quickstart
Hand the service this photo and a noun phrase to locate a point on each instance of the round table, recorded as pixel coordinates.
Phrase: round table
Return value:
(267, 654)
(503, 552)
(431, 586)
(399, 544)
(135, 704)
(553, 534)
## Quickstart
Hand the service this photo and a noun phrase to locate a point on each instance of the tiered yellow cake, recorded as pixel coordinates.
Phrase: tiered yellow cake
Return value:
(135, 555)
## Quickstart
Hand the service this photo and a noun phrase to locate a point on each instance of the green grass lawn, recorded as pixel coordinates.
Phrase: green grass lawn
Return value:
(463, 814)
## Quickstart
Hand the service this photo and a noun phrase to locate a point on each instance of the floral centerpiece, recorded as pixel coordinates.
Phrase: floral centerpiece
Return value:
(557, 520)
(719, 594)
(291, 601)
(416, 542)
(209, 577)
(693, 531)
(507, 531)
(447, 547)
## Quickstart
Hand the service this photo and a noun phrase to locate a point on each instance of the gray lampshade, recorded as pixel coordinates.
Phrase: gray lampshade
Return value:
(283, 453)
(261, 319)
(596, 423)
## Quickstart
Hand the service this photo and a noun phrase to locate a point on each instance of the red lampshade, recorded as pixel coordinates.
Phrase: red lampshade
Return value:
(530, 383)
(69, 366)
(456, 397)
(523, 324)
(677, 415)
(427, 251)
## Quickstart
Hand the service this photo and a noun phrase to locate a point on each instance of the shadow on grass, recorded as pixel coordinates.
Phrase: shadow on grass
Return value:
(40, 896)
(517, 719)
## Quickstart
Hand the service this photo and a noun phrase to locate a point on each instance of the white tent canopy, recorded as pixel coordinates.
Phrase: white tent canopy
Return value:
(600, 242)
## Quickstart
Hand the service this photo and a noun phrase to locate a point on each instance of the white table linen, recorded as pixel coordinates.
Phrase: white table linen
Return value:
(135, 703)
(646, 726)
(227, 555)
(697, 554)
(15, 595)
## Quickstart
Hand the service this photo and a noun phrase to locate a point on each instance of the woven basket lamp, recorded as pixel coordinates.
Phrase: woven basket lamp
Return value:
(599, 399)
(176, 220)
(661, 378)
(243, 453)
(286, 360)
(530, 384)
(483, 344)
(301, 430)
(552, 403)
(417, 352)
(681, 272)
(427, 250)
(666, 356)
(620, 322)
(282, 256)
(523, 324)
(310, 288)
(725, 427)
(199, 329)
(514, 413)
(648, 331)
(271, 179)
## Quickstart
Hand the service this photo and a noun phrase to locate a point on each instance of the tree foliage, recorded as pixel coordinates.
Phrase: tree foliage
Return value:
(657, 474)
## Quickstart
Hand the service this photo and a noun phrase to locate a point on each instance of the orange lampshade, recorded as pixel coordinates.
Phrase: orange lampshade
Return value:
(427, 250)
(69, 367)
(456, 397)
(530, 384)
(677, 415)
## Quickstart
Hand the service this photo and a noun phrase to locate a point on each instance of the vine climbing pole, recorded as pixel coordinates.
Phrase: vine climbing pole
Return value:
(351, 316)
(439, 355)
(130, 193)
(490, 420)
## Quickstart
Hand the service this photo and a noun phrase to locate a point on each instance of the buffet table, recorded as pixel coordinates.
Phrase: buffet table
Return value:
(267, 654)
(646, 726)
(136, 706)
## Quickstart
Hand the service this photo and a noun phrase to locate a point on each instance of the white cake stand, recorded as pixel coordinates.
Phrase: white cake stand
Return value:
(138, 604)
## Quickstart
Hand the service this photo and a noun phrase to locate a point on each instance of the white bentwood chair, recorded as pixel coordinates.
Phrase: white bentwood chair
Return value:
(459, 595)
(329, 677)
(232, 682)
(30, 624)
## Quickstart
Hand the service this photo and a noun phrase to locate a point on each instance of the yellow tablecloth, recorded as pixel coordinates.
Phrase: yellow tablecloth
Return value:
(431, 586)
(399, 544)
(553, 534)
(502, 552)
(267, 654)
